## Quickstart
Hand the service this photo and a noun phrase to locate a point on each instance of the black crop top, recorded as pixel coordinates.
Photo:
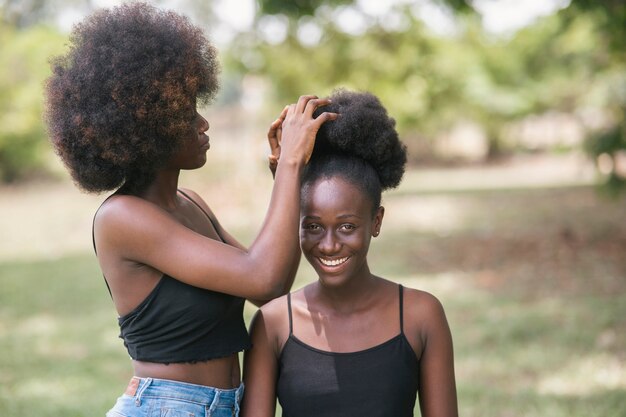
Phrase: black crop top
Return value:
(381, 381)
(179, 323)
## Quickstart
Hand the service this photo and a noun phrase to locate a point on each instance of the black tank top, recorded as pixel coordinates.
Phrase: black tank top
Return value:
(381, 381)
(178, 322)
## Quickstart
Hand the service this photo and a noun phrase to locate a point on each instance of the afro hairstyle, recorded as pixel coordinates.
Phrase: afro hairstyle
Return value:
(119, 102)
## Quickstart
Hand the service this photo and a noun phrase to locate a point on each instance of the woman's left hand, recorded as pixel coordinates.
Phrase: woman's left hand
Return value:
(273, 138)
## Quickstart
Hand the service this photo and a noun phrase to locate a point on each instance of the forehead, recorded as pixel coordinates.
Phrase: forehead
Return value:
(335, 194)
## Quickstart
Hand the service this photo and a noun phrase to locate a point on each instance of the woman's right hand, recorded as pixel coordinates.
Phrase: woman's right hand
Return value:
(298, 129)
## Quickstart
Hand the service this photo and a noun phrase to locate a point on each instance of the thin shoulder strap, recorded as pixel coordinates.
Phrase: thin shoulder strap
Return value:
(401, 291)
(194, 201)
(93, 241)
(204, 211)
(93, 224)
(93, 233)
(289, 312)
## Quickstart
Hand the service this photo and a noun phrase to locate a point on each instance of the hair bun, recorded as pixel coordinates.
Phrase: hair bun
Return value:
(365, 130)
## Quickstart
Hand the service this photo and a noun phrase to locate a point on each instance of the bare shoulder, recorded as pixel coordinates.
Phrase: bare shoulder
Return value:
(425, 320)
(275, 310)
(125, 221)
(121, 207)
(126, 212)
(423, 308)
(199, 200)
(276, 314)
(121, 212)
(272, 321)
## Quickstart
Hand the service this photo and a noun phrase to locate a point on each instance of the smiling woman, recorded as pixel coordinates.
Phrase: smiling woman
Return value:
(351, 343)
(337, 226)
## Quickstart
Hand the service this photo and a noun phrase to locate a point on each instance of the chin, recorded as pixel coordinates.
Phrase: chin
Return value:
(201, 163)
(332, 280)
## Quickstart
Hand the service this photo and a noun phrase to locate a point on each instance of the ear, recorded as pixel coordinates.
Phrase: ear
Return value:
(378, 221)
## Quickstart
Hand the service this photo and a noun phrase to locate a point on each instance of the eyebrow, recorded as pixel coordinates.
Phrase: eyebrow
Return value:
(342, 216)
(346, 216)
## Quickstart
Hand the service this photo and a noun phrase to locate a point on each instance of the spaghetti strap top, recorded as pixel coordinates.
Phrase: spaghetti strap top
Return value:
(180, 323)
(381, 381)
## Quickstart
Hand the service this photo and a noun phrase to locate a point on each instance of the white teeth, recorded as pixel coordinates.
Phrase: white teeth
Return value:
(333, 262)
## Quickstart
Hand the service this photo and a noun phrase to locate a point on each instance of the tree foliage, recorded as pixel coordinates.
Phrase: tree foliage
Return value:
(295, 8)
(23, 68)
(610, 142)
(430, 82)
(567, 62)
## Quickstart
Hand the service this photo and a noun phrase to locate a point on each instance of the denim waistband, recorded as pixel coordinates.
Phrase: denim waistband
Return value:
(140, 388)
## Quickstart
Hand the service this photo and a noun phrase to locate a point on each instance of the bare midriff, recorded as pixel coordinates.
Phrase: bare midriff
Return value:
(220, 373)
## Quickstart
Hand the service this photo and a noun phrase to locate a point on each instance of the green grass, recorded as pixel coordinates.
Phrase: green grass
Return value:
(533, 282)
(60, 355)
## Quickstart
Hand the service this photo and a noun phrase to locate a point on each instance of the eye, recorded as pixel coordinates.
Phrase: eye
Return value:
(347, 227)
(312, 227)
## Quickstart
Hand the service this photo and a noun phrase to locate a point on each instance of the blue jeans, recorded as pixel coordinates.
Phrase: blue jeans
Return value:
(150, 397)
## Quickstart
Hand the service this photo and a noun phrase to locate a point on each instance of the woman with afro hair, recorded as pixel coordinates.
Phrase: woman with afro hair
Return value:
(121, 112)
(351, 343)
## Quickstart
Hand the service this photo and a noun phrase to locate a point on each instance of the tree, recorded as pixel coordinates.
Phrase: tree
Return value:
(430, 82)
(28, 41)
(23, 68)
(609, 143)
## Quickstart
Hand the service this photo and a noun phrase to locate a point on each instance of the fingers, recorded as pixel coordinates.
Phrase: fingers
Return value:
(325, 117)
(272, 137)
(279, 121)
(283, 113)
(300, 128)
(275, 130)
(275, 144)
(281, 118)
(279, 135)
(273, 164)
(302, 103)
(307, 104)
(313, 104)
(273, 126)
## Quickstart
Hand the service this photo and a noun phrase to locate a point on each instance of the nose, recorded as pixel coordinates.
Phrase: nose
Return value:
(203, 124)
(328, 244)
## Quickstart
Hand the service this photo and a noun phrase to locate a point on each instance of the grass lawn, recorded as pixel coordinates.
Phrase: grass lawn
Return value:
(533, 281)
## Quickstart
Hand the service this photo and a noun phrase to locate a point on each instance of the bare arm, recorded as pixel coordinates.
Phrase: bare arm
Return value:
(232, 241)
(260, 370)
(144, 233)
(437, 395)
(274, 139)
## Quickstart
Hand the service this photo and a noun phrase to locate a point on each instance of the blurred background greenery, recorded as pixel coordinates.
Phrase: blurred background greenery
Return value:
(512, 211)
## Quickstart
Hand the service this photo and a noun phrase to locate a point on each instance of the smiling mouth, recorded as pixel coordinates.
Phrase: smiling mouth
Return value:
(333, 262)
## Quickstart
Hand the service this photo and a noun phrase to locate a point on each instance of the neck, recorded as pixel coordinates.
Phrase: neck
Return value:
(163, 190)
(352, 296)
